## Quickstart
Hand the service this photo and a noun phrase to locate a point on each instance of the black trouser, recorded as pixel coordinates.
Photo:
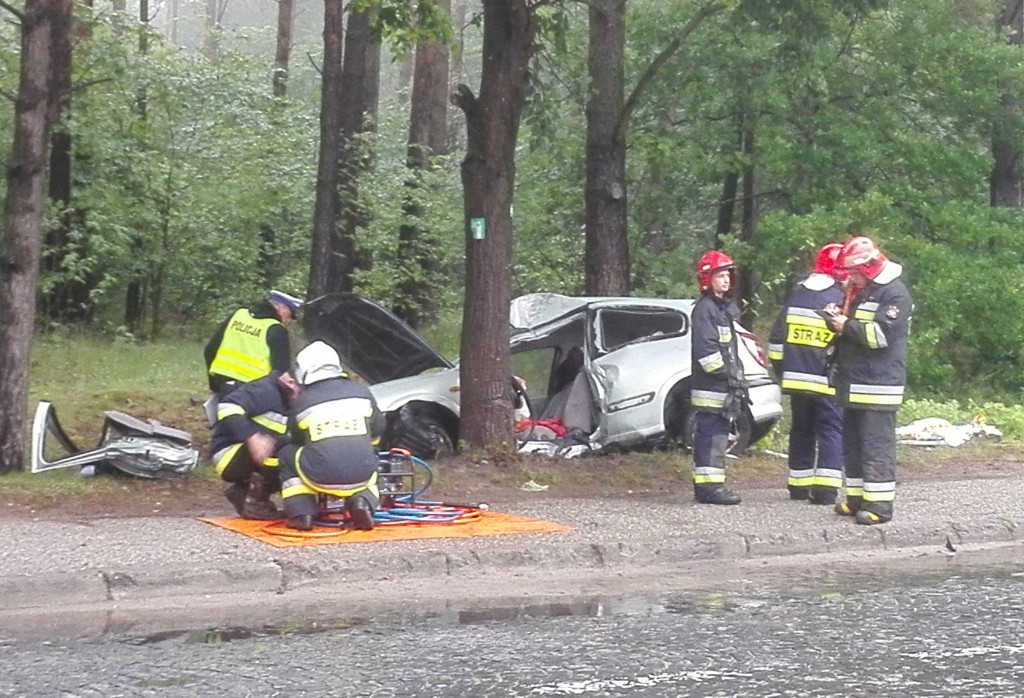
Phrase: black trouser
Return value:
(710, 445)
(302, 478)
(869, 452)
(815, 442)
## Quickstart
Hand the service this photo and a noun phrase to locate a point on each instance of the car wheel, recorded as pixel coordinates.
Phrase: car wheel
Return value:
(421, 432)
(739, 434)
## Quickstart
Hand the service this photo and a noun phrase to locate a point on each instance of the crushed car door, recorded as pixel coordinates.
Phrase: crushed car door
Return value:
(635, 353)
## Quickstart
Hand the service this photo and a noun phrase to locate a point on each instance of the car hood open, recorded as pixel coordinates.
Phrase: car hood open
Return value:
(371, 340)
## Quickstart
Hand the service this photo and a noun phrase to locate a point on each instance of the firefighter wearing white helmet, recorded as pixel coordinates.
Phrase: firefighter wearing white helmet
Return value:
(870, 376)
(333, 421)
(718, 388)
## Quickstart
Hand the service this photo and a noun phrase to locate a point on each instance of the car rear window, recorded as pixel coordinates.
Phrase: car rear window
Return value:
(619, 327)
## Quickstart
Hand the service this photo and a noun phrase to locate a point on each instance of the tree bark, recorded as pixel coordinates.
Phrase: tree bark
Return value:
(67, 299)
(285, 19)
(748, 228)
(211, 36)
(488, 179)
(607, 244)
(23, 223)
(1005, 180)
(325, 210)
(428, 136)
(361, 86)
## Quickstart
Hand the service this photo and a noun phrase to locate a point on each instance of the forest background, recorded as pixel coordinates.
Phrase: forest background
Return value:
(195, 176)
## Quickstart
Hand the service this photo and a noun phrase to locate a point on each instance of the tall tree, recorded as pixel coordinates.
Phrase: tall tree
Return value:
(608, 116)
(1005, 181)
(607, 249)
(488, 180)
(285, 20)
(66, 298)
(213, 27)
(325, 210)
(23, 219)
(360, 83)
(428, 137)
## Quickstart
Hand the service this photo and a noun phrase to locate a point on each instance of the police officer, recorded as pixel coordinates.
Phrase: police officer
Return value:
(798, 346)
(870, 376)
(251, 427)
(333, 421)
(251, 343)
(718, 388)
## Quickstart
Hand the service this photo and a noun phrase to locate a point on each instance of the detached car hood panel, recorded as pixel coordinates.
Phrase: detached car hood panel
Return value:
(371, 340)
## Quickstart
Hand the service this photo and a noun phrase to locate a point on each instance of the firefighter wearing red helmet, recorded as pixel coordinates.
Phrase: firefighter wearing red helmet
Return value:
(798, 348)
(718, 389)
(870, 374)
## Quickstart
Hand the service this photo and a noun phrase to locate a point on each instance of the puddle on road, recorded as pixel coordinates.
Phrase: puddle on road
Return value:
(738, 595)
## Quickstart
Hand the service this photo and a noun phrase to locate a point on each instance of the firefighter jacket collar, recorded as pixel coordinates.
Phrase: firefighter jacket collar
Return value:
(818, 282)
(890, 272)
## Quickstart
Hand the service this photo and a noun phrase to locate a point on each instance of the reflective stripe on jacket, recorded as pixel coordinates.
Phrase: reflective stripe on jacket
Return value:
(257, 407)
(713, 351)
(799, 340)
(334, 421)
(871, 364)
(244, 354)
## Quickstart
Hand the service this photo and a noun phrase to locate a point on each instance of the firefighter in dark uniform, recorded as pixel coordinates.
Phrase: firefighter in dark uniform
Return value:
(251, 427)
(333, 422)
(870, 377)
(251, 343)
(718, 386)
(798, 348)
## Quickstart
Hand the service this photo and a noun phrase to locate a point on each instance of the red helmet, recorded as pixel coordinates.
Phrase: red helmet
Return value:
(708, 264)
(862, 254)
(827, 256)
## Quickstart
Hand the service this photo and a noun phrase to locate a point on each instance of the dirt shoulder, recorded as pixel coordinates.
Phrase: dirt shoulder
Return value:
(654, 476)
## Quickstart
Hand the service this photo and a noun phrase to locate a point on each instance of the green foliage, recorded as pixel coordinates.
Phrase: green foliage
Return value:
(406, 22)
(178, 161)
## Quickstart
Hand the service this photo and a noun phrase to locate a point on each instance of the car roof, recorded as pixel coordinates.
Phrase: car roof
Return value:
(536, 309)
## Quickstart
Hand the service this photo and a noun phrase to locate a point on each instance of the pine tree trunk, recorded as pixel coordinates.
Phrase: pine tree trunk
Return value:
(23, 223)
(488, 179)
(1005, 180)
(325, 210)
(361, 89)
(607, 245)
(285, 18)
(428, 136)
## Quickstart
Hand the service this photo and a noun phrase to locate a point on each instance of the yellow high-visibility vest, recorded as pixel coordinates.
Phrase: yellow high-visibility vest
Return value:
(243, 354)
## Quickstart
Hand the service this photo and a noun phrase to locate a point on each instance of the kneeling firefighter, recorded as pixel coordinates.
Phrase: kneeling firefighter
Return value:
(251, 427)
(333, 422)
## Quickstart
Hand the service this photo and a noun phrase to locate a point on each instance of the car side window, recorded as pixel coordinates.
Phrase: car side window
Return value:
(619, 327)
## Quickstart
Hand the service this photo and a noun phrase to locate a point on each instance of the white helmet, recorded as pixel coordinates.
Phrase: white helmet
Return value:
(318, 361)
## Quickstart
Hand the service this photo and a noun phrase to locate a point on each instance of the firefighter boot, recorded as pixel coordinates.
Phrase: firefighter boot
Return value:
(874, 513)
(303, 522)
(850, 507)
(257, 500)
(799, 493)
(360, 512)
(235, 493)
(820, 494)
(715, 494)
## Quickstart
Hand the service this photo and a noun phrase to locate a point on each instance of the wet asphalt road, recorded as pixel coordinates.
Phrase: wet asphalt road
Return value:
(938, 635)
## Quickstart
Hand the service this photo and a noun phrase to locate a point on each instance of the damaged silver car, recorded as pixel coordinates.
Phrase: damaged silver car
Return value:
(615, 372)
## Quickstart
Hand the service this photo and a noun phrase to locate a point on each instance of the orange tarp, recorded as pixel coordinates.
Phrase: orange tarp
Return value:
(483, 523)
